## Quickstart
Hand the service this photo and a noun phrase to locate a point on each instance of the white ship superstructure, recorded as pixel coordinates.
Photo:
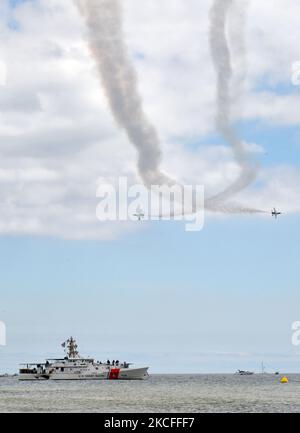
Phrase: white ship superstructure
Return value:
(74, 367)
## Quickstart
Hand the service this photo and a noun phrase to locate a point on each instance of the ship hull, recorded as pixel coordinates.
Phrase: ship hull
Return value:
(123, 374)
(113, 374)
(28, 377)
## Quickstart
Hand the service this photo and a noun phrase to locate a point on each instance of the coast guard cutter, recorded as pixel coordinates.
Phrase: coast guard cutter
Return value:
(74, 367)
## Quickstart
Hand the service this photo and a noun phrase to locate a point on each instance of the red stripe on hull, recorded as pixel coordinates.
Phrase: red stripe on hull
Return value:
(114, 374)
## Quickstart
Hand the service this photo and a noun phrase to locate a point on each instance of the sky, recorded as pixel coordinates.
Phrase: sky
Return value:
(210, 301)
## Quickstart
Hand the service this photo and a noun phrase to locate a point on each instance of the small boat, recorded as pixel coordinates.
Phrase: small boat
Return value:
(74, 367)
(244, 373)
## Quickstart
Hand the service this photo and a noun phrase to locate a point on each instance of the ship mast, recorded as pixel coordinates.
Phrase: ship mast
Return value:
(72, 348)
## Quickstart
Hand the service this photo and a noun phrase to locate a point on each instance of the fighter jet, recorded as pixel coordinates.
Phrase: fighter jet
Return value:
(139, 214)
(275, 214)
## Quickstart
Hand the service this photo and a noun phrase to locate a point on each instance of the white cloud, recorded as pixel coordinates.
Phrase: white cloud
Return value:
(58, 137)
(254, 148)
(280, 188)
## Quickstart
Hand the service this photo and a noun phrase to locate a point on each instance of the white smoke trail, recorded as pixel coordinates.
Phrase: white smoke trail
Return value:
(222, 62)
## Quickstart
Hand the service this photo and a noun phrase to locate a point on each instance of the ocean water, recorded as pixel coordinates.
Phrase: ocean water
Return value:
(160, 393)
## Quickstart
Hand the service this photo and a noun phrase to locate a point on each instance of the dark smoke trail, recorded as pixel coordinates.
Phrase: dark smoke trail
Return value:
(222, 62)
(119, 80)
